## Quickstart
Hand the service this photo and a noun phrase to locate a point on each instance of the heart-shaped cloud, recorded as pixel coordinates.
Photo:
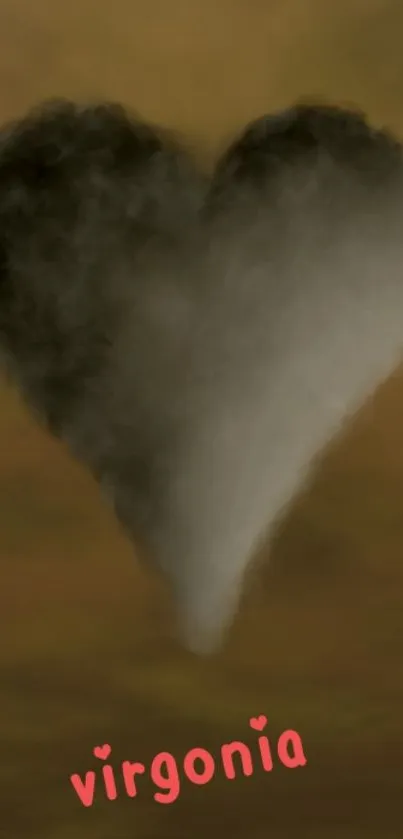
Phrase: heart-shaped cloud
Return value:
(196, 345)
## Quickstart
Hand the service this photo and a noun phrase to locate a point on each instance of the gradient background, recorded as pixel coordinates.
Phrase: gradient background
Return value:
(85, 654)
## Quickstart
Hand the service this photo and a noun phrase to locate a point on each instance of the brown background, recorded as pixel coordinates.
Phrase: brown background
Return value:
(85, 655)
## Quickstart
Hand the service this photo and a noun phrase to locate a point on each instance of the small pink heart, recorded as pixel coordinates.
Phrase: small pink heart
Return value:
(102, 751)
(258, 723)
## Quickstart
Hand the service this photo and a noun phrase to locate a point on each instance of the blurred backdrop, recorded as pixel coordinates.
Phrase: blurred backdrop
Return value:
(85, 650)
